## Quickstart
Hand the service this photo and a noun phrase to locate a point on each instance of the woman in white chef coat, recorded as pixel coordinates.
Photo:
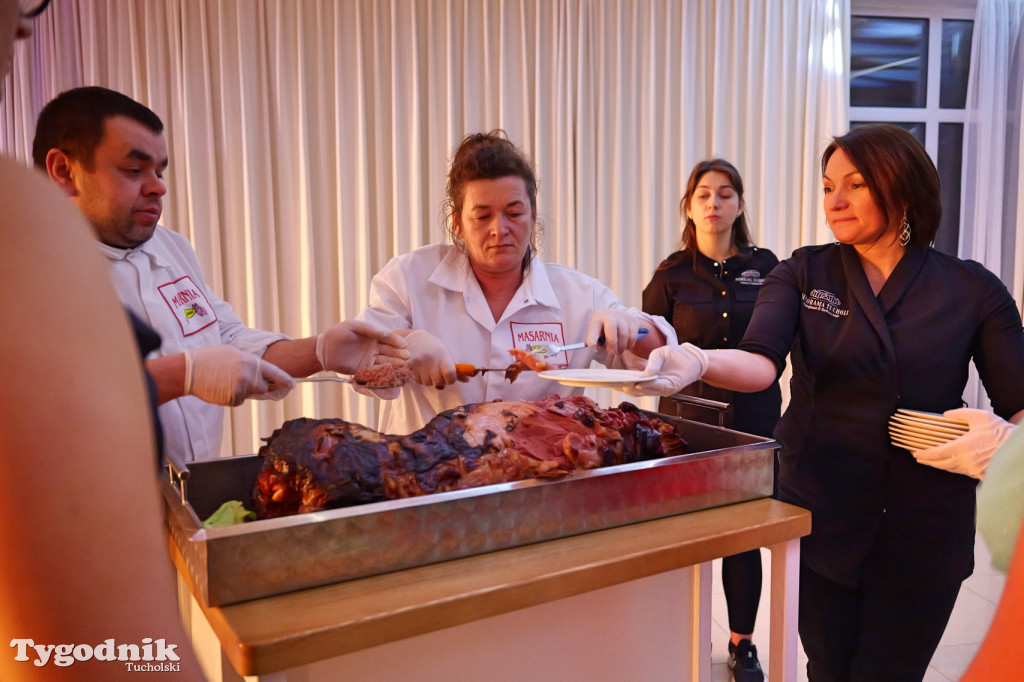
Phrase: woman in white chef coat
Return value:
(84, 560)
(485, 292)
(875, 322)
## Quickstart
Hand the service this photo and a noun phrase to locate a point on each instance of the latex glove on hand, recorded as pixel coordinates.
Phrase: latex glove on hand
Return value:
(675, 367)
(968, 454)
(223, 375)
(354, 344)
(619, 328)
(429, 360)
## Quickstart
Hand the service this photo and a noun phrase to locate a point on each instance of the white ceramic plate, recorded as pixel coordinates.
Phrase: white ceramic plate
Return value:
(922, 436)
(934, 418)
(597, 377)
(934, 428)
(911, 444)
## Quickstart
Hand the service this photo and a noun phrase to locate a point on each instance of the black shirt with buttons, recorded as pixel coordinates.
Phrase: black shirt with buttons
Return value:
(709, 303)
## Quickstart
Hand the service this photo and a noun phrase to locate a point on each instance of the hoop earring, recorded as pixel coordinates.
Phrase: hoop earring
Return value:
(904, 230)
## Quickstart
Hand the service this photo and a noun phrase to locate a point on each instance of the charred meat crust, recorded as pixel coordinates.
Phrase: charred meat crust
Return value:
(312, 464)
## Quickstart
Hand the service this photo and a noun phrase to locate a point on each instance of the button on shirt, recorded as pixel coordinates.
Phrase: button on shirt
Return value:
(433, 288)
(162, 283)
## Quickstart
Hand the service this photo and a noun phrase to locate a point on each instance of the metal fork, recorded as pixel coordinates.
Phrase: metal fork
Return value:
(344, 380)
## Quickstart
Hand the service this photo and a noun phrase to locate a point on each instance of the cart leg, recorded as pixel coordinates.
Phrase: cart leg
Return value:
(700, 653)
(785, 597)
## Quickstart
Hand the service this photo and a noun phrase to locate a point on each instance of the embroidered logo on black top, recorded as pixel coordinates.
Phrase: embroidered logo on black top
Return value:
(751, 277)
(825, 302)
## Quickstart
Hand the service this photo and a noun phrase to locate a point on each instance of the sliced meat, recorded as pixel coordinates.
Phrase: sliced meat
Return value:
(383, 376)
(527, 360)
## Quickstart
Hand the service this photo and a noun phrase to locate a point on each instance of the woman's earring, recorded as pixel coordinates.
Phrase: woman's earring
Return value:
(904, 230)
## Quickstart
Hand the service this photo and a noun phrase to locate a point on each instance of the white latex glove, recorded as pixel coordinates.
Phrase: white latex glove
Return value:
(223, 375)
(354, 344)
(675, 367)
(618, 327)
(968, 454)
(429, 360)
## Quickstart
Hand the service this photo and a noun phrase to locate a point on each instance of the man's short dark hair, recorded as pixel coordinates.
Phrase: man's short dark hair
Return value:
(73, 122)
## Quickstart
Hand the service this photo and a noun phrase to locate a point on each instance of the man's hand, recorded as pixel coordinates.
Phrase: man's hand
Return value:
(354, 344)
(968, 454)
(675, 367)
(223, 375)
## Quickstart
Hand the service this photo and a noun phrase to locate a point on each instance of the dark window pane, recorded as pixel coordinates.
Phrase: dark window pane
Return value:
(951, 153)
(888, 62)
(956, 62)
(916, 128)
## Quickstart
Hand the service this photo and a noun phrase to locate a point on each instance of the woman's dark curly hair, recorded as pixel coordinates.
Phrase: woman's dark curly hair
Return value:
(488, 156)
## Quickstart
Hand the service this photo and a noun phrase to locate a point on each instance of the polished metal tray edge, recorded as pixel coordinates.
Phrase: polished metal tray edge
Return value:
(273, 556)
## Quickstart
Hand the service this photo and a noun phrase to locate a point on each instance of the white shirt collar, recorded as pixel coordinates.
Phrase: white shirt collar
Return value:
(454, 273)
(147, 248)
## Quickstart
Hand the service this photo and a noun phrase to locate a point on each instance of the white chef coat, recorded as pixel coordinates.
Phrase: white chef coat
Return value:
(434, 288)
(162, 283)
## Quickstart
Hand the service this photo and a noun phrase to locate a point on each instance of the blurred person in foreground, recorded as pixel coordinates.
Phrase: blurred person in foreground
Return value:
(1000, 516)
(875, 322)
(107, 152)
(84, 557)
(707, 290)
(486, 292)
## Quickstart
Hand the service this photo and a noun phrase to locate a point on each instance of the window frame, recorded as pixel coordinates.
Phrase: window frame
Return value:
(931, 115)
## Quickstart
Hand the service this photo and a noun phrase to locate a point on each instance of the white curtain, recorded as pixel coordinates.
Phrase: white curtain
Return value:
(309, 139)
(992, 183)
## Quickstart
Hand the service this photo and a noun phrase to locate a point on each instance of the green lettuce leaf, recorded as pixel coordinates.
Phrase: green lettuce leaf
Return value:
(229, 513)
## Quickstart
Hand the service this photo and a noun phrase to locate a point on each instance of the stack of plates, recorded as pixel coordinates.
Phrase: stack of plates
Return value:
(915, 430)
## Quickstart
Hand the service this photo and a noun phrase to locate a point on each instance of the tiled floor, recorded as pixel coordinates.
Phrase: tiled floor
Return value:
(967, 626)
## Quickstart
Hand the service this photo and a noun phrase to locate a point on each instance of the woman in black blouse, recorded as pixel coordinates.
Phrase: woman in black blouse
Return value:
(877, 321)
(707, 291)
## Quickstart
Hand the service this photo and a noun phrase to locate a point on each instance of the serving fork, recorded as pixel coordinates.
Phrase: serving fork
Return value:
(548, 348)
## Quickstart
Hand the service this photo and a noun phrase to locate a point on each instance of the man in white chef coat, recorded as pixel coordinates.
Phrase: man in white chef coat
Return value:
(108, 153)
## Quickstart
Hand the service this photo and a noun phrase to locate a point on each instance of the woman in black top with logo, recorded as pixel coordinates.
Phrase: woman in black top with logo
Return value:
(707, 291)
(876, 322)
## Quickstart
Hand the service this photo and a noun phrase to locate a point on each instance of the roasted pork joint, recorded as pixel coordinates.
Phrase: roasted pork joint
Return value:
(318, 464)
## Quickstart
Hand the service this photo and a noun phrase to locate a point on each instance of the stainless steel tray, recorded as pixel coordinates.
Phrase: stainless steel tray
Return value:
(273, 556)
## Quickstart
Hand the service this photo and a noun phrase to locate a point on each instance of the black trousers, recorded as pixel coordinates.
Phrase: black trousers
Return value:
(741, 582)
(872, 633)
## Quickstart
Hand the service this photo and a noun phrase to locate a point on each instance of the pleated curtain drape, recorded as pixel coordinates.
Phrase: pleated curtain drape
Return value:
(309, 139)
(992, 186)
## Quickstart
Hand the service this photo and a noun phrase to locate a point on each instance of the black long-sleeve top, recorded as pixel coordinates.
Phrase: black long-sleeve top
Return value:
(857, 357)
